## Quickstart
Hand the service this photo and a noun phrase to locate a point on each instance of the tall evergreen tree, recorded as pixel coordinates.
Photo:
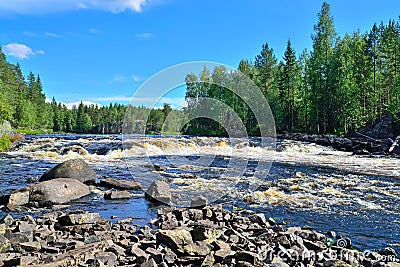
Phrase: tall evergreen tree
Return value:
(323, 94)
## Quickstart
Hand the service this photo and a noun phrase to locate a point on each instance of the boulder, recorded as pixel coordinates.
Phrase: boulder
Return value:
(159, 191)
(74, 168)
(120, 184)
(58, 191)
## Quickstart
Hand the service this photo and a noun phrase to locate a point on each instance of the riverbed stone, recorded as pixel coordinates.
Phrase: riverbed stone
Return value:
(78, 219)
(7, 220)
(174, 239)
(74, 168)
(199, 202)
(120, 184)
(117, 195)
(31, 246)
(57, 191)
(159, 191)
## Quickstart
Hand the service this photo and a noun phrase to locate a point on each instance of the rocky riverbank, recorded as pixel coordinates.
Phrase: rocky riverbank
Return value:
(208, 236)
(362, 145)
(198, 236)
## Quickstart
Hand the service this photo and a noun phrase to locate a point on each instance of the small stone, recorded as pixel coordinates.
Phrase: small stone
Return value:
(16, 238)
(234, 239)
(91, 239)
(169, 256)
(198, 248)
(249, 257)
(7, 220)
(28, 260)
(24, 227)
(120, 184)
(149, 263)
(316, 246)
(19, 198)
(159, 191)
(159, 168)
(222, 254)
(332, 234)
(107, 258)
(174, 239)
(208, 261)
(278, 262)
(117, 195)
(271, 221)
(258, 218)
(31, 246)
(199, 202)
(140, 255)
(155, 254)
(5, 244)
(78, 219)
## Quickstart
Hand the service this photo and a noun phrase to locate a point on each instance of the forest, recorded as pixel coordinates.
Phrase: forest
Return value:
(339, 85)
(343, 83)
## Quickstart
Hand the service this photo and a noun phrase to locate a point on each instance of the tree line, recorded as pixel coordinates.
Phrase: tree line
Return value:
(340, 85)
(23, 104)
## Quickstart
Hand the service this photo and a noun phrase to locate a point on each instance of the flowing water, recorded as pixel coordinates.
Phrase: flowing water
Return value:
(303, 184)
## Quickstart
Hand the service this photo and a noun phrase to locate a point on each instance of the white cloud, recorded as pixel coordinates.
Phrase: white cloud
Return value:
(19, 51)
(48, 6)
(95, 31)
(81, 6)
(39, 52)
(30, 34)
(144, 36)
(137, 78)
(52, 34)
(146, 101)
(76, 104)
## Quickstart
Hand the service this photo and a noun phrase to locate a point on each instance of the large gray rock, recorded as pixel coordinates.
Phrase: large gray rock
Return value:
(58, 191)
(159, 191)
(74, 168)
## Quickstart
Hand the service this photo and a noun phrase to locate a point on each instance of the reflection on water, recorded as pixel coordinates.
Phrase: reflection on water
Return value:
(308, 184)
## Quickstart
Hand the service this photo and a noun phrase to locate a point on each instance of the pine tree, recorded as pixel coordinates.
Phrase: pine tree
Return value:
(322, 102)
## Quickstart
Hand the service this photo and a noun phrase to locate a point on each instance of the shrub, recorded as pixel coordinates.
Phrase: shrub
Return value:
(5, 143)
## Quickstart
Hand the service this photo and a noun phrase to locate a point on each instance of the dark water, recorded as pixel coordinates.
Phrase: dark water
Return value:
(306, 186)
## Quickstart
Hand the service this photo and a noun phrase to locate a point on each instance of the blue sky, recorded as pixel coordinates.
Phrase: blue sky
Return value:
(103, 50)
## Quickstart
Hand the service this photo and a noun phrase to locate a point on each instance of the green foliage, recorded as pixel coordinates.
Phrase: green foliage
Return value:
(5, 143)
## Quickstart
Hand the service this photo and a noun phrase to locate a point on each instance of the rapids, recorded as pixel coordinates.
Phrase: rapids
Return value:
(307, 184)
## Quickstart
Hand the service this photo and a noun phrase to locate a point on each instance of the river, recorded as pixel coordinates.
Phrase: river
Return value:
(305, 184)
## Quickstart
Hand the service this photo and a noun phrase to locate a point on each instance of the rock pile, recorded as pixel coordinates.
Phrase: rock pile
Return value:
(210, 236)
(358, 145)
